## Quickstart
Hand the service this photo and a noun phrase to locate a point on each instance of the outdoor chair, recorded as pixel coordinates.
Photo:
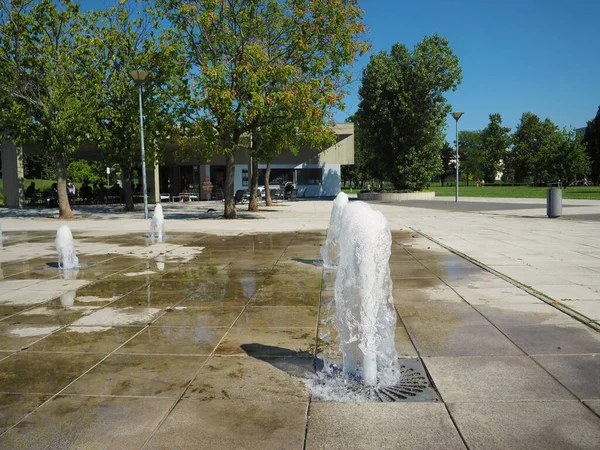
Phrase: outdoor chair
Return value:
(239, 196)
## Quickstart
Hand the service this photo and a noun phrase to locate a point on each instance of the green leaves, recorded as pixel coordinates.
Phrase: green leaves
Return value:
(543, 153)
(403, 110)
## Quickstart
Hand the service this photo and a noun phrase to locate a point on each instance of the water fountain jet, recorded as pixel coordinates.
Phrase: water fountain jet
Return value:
(330, 252)
(67, 259)
(157, 231)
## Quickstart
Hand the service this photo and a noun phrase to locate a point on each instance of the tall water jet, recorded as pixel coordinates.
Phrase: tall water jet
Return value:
(66, 249)
(365, 316)
(157, 231)
(330, 252)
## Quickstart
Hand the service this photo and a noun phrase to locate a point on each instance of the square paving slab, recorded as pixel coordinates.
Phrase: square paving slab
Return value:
(493, 378)
(88, 423)
(230, 424)
(527, 425)
(579, 373)
(367, 426)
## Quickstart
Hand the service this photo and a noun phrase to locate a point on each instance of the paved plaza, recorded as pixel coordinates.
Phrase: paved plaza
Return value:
(208, 339)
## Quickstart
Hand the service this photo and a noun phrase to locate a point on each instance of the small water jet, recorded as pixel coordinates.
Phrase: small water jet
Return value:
(364, 319)
(157, 231)
(330, 252)
(67, 259)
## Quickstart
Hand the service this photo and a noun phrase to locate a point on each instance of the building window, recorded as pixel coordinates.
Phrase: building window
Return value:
(309, 176)
(245, 177)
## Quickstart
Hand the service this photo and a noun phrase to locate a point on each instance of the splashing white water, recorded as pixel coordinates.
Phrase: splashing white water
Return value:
(157, 231)
(330, 252)
(66, 249)
(365, 317)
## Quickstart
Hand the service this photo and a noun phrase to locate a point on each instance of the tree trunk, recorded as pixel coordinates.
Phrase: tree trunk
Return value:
(268, 201)
(64, 209)
(229, 194)
(253, 204)
(256, 142)
(127, 192)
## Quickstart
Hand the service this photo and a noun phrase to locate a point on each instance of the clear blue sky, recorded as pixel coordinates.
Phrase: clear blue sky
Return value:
(541, 56)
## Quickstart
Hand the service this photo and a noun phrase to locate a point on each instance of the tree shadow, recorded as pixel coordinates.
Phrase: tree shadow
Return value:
(294, 363)
(312, 262)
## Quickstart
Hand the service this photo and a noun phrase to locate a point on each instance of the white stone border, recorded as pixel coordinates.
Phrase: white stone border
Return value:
(395, 196)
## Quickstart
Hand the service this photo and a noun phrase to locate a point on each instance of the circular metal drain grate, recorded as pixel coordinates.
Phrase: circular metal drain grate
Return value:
(410, 386)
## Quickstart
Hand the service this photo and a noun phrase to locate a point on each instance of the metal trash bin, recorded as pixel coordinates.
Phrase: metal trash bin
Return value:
(554, 202)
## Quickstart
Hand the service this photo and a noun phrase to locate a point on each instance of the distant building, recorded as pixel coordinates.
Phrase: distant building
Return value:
(316, 173)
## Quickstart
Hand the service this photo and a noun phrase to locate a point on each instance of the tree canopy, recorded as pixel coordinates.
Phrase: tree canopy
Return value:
(592, 142)
(259, 64)
(402, 111)
(47, 81)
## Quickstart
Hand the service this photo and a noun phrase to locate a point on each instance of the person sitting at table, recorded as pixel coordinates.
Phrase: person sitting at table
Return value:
(71, 191)
(31, 193)
(51, 196)
(86, 192)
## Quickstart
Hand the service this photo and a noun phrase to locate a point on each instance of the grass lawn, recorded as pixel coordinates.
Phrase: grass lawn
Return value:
(576, 192)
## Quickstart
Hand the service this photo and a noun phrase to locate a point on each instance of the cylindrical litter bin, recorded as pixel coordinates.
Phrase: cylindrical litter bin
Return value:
(554, 202)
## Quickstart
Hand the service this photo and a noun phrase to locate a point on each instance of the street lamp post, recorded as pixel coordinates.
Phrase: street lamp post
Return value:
(138, 77)
(457, 116)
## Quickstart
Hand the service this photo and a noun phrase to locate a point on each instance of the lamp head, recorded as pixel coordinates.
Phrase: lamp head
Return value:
(457, 115)
(138, 76)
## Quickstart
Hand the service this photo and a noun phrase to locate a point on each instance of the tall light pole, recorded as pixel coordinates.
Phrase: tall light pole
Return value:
(457, 116)
(138, 77)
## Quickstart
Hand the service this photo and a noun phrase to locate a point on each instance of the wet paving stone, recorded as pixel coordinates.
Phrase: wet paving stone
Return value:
(13, 407)
(90, 339)
(278, 317)
(264, 342)
(15, 337)
(199, 317)
(43, 373)
(88, 422)
(175, 340)
(222, 424)
(139, 375)
(256, 379)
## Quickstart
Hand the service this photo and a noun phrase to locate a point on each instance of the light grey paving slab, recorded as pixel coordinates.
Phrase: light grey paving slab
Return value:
(478, 340)
(413, 426)
(562, 338)
(579, 373)
(524, 314)
(88, 423)
(594, 405)
(567, 291)
(527, 426)
(416, 315)
(493, 378)
(589, 308)
(492, 296)
(231, 424)
(244, 378)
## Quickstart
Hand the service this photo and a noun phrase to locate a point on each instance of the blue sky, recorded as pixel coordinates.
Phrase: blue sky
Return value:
(529, 55)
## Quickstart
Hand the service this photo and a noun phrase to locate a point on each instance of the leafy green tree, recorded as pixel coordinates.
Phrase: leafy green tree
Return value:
(403, 110)
(495, 139)
(565, 158)
(542, 153)
(46, 82)
(254, 65)
(592, 142)
(471, 156)
(90, 171)
(125, 39)
(448, 162)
